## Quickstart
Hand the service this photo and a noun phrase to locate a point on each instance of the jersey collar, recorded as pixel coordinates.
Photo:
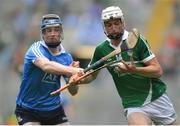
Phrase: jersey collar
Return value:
(124, 37)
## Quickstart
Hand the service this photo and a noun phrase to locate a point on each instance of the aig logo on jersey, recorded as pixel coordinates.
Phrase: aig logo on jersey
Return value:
(50, 78)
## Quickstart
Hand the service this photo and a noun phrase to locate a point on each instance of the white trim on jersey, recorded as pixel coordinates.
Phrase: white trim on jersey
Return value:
(124, 37)
(60, 46)
(149, 50)
(36, 50)
(149, 97)
(62, 49)
(148, 58)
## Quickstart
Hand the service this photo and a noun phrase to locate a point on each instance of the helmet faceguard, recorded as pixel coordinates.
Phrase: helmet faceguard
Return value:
(115, 37)
(52, 20)
(112, 12)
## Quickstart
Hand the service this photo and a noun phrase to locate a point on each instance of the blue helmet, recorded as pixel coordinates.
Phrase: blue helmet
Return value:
(50, 20)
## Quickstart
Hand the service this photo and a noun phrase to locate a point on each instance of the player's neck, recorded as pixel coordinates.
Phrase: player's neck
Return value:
(55, 50)
(115, 42)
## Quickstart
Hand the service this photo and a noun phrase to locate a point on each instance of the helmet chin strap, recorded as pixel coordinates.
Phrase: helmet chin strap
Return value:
(53, 45)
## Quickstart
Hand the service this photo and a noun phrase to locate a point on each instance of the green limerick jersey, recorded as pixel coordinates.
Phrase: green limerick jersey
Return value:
(134, 89)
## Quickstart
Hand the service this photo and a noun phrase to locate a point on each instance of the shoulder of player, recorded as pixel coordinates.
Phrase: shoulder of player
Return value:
(142, 38)
(142, 41)
(102, 44)
(35, 48)
(68, 54)
(35, 44)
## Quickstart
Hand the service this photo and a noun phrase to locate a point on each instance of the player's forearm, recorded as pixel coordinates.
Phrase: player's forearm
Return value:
(149, 71)
(56, 68)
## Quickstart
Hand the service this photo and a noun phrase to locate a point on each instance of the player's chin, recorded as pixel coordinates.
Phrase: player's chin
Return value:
(114, 34)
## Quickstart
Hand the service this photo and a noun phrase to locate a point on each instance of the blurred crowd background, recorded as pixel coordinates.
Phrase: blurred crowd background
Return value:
(98, 102)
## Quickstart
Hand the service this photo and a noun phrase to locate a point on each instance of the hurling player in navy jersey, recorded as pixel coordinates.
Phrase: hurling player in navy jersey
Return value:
(45, 62)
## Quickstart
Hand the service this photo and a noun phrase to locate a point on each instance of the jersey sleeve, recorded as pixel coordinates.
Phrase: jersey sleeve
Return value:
(144, 50)
(34, 52)
(69, 62)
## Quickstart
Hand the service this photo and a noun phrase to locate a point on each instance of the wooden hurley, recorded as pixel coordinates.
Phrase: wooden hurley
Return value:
(85, 75)
(129, 44)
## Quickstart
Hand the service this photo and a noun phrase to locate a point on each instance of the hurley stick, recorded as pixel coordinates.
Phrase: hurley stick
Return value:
(82, 77)
(125, 46)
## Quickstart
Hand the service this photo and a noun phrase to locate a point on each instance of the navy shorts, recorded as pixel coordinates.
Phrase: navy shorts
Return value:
(53, 117)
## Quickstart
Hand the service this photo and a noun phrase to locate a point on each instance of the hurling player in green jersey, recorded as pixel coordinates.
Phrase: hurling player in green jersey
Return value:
(143, 94)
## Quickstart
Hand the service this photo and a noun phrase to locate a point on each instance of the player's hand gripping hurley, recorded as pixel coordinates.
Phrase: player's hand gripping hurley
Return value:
(125, 46)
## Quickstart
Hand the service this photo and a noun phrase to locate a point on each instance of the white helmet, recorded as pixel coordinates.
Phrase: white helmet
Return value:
(112, 12)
